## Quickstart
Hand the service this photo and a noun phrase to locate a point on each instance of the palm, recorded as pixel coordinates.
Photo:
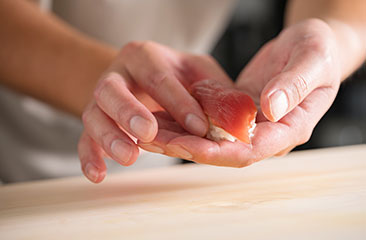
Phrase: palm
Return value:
(297, 56)
(297, 53)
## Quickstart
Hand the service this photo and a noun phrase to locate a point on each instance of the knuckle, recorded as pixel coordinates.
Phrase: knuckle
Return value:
(85, 117)
(108, 80)
(301, 86)
(158, 79)
(313, 22)
(97, 92)
(121, 116)
(131, 46)
(317, 45)
(134, 46)
(320, 48)
(106, 139)
(145, 45)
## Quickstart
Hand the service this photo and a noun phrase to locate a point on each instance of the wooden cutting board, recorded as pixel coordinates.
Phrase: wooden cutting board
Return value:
(317, 194)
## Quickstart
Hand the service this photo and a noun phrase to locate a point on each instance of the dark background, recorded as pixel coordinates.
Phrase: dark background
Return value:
(257, 21)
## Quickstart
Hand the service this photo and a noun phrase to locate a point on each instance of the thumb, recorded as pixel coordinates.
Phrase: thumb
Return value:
(305, 71)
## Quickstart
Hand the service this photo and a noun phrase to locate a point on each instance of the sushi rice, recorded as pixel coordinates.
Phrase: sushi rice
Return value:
(216, 133)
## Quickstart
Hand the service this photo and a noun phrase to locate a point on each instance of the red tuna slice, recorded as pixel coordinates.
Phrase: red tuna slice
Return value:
(226, 108)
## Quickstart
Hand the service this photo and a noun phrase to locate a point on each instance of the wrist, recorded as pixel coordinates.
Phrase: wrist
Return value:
(350, 47)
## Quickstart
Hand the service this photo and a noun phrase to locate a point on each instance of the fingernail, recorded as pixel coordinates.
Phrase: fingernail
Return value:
(195, 124)
(182, 153)
(151, 148)
(91, 172)
(278, 104)
(141, 128)
(121, 150)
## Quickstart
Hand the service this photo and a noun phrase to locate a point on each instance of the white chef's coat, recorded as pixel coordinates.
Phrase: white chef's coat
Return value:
(37, 141)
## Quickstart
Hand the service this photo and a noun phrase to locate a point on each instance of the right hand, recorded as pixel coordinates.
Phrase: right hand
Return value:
(145, 77)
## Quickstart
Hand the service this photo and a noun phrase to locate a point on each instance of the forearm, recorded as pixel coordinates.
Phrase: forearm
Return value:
(346, 18)
(43, 57)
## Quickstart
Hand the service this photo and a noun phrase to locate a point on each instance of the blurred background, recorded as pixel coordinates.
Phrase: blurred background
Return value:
(256, 22)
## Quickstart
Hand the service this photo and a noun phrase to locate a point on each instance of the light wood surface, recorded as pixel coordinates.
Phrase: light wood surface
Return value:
(318, 194)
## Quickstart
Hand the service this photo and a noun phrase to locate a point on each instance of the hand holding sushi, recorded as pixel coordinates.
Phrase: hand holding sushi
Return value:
(164, 98)
(300, 77)
(293, 79)
(145, 77)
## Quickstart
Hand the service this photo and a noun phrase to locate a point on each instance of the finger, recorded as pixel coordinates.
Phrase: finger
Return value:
(165, 121)
(204, 151)
(159, 145)
(295, 128)
(91, 159)
(203, 67)
(120, 104)
(109, 136)
(233, 154)
(168, 129)
(254, 72)
(269, 137)
(158, 78)
(303, 73)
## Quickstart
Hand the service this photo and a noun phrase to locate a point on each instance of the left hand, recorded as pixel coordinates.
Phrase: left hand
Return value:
(294, 78)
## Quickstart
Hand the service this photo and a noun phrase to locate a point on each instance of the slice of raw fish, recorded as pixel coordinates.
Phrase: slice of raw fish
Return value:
(227, 109)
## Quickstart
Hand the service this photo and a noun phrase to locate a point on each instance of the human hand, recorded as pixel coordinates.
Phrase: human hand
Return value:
(293, 78)
(145, 77)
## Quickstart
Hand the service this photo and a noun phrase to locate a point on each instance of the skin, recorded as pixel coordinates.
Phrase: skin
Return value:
(103, 86)
(35, 57)
(306, 71)
(304, 66)
(126, 93)
(119, 101)
(322, 44)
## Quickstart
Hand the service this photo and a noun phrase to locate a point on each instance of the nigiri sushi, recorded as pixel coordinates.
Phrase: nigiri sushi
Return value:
(231, 113)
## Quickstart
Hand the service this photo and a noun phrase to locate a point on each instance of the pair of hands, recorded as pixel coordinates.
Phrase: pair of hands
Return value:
(143, 95)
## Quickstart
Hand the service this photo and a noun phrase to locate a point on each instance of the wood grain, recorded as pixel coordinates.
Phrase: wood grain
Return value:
(317, 194)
